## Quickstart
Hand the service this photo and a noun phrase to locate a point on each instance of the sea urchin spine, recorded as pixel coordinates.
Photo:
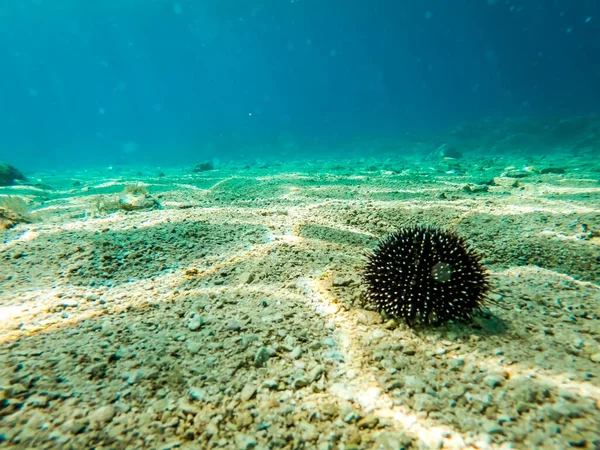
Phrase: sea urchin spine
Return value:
(426, 275)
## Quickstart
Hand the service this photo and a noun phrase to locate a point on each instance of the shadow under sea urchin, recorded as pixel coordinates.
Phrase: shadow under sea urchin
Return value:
(425, 275)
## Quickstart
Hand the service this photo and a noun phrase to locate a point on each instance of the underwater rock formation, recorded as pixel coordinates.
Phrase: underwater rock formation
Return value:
(13, 210)
(10, 174)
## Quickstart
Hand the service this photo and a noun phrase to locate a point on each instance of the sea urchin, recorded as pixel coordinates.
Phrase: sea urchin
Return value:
(426, 275)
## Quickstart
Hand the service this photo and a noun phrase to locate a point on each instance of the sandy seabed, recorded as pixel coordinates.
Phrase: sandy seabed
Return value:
(233, 315)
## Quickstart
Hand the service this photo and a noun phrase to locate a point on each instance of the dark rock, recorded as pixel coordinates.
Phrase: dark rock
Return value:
(515, 174)
(9, 174)
(552, 170)
(13, 210)
(476, 188)
(450, 152)
(203, 167)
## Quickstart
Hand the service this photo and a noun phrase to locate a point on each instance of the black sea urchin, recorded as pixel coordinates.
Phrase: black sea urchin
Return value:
(425, 275)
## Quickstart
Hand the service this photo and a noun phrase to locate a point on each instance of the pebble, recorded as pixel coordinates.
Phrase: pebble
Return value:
(299, 383)
(187, 407)
(515, 174)
(493, 380)
(329, 342)
(247, 339)
(197, 393)
(391, 325)
(38, 401)
(308, 432)
(342, 281)
(271, 384)
(296, 352)
(558, 170)
(248, 392)
(595, 357)
(378, 334)
(393, 385)
(456, 364)
(370, 421)
(392, 441)
(171, 445)
(233, 325)
(245, 441)
(195, 323)
(261, 357)
(493, 428)
(102, 414)
(315, 373)
(246, 278)
(414, 383)
(425, 402)
(506, 182)
(351, 416)
(476, 188)
(122, 407)
(193, 347)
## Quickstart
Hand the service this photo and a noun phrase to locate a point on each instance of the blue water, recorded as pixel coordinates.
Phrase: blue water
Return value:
(172, 82)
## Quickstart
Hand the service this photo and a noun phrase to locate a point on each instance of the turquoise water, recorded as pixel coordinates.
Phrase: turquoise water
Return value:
(173, 82)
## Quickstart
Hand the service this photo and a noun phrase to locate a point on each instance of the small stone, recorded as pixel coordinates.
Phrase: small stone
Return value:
(567, 409)
(392, 441)
(414, 383)
(197, 393)
(476, 188)
(245, 441)
(440, 351)
(244, 419)
(38, 401)
(390, 325)
(308, 432)
(248, 392)
(271, 384)
(187, 407)
(393, 385)
(350, 417)
(300, 383)
(575, 439)
(233, 325)
(329, 342)
(171, 445)
(370, 421)
(122, 407)
(557, 170)
(76, 427)
(493, 380)
(493, 428)
(247, 339)
(261, 357)
(506, 182)
(246, 278)
(456, 364)
(194, 347)
(102, 414)
(315, 373)
(426, 402)
(343, 281)
(378, 334)
(195, 323)
(595, 357)
(515, 174)
(296, 352)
